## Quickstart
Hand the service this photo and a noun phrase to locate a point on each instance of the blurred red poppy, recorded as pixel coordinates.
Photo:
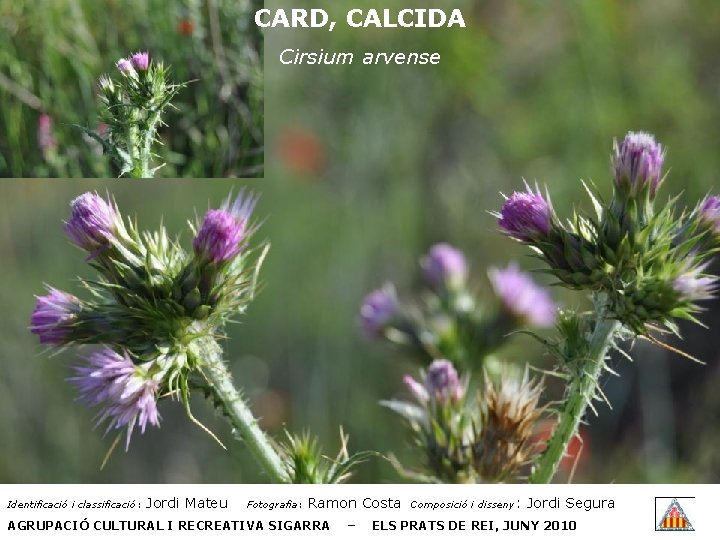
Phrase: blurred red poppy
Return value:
(185, 27)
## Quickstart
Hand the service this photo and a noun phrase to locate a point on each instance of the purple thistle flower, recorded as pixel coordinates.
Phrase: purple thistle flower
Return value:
(692, 286)
(52, 315)
(125, 393)
(522, 297)
(378, 309)
(710, 212)
(93, 222)
(525, 215)
(445, 266)
(140, 60)
(125, 66)
(442, 382)
(223, 231)
(638, 160)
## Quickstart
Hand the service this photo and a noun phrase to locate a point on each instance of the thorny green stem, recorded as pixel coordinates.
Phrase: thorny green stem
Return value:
(148, 139)
(580, 391)
(209, 353)
(140, 144)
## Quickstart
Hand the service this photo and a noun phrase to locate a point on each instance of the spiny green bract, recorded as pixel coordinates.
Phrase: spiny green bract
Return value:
(306, 465)
(641, 255)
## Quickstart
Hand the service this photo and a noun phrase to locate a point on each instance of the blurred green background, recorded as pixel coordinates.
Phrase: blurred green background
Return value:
(53, 52)
(367, 167)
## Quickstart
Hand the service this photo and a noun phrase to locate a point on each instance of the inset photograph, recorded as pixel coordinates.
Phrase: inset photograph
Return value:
(132, 89)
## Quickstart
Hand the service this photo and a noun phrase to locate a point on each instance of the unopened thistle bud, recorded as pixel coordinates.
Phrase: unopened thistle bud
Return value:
(378, 310)
(522, 297)
(509, 412)
(125, 392)
(93, 222)
(52, 316)
(637, 163)
(444, 267)
(442, 382)
(140, 61)
(525, 215)
(710, 212)
(223, 231)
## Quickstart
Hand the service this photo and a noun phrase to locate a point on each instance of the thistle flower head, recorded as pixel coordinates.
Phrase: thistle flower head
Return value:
(223, 231)
(93, 222)
(125, 392)
(522, 297)
(442, 382)
(525, 215)
(637, 162)
(125, 66)
(692, 286)
(378, 309)
(51, 316)
(140, 61)
(445, 266)
(710, 212)
(509, 413)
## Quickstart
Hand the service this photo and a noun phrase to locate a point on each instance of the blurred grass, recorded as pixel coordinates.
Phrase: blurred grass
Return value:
(370, 165)
(51, 56)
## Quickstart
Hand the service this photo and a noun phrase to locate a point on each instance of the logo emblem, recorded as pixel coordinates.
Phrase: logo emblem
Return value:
(674, 518)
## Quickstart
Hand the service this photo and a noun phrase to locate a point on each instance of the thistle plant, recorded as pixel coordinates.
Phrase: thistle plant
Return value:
(448, 320)
(465, 435)
(132, 105)
(485, 438)
(644, 265)
(155, 315)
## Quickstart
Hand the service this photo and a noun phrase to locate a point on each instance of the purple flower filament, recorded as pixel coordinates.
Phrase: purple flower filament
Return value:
(638, 160)
(140, 61)
(522, 297)
(51, 316)
(223, 231)
(127, 397)
(525, 215)
(378, 309)
(93, 222)
(710, 212)
(445, 265)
